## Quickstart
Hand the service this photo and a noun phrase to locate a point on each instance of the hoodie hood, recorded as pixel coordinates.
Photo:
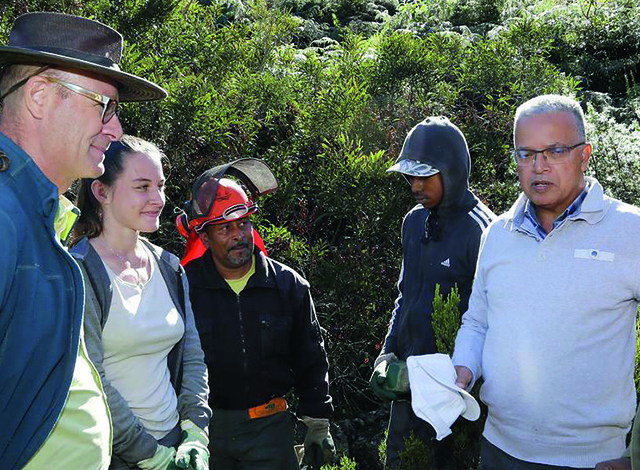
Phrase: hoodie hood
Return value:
(440, 144)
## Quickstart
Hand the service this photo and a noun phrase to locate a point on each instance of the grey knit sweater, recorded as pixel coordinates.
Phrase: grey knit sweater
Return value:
(550, 328)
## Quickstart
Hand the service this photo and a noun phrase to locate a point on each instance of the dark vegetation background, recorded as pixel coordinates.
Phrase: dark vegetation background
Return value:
(325, 92)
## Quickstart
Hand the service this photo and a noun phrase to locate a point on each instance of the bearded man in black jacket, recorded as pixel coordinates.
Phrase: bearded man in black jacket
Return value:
(260, 337)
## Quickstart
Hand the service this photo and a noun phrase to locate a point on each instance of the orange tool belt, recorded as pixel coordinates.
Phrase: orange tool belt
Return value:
(272, 407)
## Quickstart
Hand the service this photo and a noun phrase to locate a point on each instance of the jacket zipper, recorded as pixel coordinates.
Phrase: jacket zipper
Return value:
(245, 366)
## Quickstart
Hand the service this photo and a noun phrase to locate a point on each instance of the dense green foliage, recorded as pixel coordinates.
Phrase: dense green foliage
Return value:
(325, 92)
(445, 319)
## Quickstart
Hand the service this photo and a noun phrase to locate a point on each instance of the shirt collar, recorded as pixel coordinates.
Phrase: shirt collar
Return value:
(65, 219)
(31, 184)
(530, 221)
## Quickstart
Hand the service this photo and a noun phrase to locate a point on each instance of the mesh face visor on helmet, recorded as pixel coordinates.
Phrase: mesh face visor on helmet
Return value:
(219, 200)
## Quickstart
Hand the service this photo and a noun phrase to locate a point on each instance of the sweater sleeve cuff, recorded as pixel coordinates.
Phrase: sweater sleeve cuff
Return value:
(469, 363)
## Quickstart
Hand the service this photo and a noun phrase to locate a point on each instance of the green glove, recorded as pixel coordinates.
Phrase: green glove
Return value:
(161, 460)
(193, 452)
(397, 377)
(318, 443)
(379, 377)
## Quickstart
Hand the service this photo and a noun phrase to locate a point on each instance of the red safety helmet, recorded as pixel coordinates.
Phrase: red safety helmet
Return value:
(217, 199)
(207, 206)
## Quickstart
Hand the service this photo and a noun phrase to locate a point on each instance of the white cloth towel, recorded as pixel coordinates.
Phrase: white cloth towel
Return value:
(434, 396)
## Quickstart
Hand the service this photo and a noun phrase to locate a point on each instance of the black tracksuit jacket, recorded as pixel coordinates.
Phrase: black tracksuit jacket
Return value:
(446, 256)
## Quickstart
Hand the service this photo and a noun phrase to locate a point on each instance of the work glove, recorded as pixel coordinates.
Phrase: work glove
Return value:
(390, 378)
(163, 459)
(318, 443)
(193, 452)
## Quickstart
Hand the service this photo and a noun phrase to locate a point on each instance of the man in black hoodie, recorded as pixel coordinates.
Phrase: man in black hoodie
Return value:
(440, 241)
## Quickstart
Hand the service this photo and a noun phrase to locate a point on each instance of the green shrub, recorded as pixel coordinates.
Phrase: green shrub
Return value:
(417, 454)
(474, 12)
(345, 464)
(465, 434)
(595, 41)
(616, 154)
(445, 319)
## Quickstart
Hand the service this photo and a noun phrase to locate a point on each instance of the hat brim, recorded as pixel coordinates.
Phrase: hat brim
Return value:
(130, 87)
(413, 168)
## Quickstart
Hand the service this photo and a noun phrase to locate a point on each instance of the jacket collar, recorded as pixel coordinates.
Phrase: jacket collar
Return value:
(30, 183)
(592, 211)
(203, 273)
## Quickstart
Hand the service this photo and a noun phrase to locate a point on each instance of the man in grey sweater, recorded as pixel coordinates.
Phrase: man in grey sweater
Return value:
(550, 324)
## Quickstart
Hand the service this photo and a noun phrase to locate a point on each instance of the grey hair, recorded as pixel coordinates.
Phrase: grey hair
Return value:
(545, 104)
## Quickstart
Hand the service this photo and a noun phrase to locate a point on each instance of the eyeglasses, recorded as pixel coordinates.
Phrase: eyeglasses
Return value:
(552, 155)
(109, 105)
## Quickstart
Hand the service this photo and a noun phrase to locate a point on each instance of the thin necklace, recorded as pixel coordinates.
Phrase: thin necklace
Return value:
(128, 265)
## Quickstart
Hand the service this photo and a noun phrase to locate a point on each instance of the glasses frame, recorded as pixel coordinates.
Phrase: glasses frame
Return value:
(109, 105)
(548, 154)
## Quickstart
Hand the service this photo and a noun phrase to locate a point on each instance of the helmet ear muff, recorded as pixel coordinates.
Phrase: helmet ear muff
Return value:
(182, 224)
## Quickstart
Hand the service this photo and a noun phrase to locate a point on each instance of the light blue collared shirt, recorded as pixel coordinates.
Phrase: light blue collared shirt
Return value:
(530, 221)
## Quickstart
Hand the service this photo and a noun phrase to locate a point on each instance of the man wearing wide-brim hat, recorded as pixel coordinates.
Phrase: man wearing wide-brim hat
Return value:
(60, 87)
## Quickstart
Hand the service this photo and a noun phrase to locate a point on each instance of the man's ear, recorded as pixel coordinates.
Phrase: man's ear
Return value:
(585, 155)
(37, 95)
(204, 239)
(100, 191)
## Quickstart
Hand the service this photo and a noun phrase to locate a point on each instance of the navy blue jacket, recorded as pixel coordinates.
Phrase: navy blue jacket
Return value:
(444, 252)
(261, 343)
(41, 303)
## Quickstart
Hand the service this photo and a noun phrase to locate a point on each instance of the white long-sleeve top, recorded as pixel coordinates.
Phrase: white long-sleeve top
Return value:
(142, 328)
(550, 328)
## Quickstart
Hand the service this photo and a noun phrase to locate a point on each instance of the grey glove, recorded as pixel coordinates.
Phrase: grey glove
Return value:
(319, 448)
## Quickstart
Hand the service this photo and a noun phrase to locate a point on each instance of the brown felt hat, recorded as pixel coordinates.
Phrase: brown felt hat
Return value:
(58, 39)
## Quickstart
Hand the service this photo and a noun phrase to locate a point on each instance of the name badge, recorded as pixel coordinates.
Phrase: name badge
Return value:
(594, 254)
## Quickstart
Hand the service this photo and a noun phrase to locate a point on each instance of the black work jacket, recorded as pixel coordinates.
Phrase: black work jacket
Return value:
(261, 343)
